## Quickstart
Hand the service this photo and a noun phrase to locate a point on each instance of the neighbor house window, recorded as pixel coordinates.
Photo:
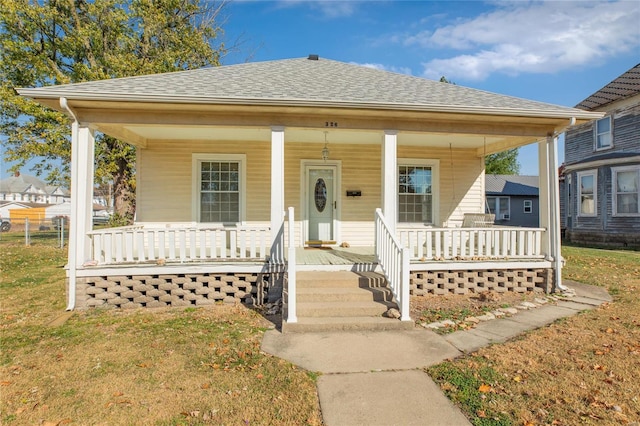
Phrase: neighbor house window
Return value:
(417, 195)
(587, 193)
(500, 206)
(218, 188)
(603, 133)
(626, 190)
(528, 206)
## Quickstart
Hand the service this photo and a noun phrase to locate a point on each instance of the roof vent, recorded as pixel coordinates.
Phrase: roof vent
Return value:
(313, 57)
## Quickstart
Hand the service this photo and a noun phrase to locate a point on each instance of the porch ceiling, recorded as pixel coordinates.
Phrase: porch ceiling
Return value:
(300, 135)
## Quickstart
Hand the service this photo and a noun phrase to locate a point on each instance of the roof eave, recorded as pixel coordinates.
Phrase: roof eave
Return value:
(38, 93)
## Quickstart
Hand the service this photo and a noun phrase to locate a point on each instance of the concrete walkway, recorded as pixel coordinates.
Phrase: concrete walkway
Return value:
(376, 378)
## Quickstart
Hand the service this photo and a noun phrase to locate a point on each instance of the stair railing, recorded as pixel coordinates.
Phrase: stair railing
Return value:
(291, 269)
(394, 260)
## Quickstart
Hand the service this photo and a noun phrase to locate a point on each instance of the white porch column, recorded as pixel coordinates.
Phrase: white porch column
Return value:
(82, 170)
(277, 186)
(555, 242)
(549, 202)
(389, 183)
(543, 196)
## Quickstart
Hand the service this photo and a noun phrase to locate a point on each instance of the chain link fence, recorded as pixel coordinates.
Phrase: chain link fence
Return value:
(51, 229)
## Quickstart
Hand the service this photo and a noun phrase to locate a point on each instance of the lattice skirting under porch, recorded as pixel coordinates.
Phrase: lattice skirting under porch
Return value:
(469, 281)
(153, 291)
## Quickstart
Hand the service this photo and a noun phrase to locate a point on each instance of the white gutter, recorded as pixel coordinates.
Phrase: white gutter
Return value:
(72, 274)
(571, 113)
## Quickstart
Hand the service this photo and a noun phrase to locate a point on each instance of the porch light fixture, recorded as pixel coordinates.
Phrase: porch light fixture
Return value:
(325, 150)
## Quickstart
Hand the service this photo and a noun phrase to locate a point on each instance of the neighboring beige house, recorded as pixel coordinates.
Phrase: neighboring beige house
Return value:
(222, 152)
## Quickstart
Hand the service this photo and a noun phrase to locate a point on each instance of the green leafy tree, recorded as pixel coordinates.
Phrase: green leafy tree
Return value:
(502, 163)
(53, 42)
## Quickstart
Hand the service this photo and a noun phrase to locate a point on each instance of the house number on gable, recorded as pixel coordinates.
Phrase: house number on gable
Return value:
(330, 124)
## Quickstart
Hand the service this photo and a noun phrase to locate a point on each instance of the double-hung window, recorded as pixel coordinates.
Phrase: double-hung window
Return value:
(500, 206)
(219, 184)
(603, 133)
(587, 193)
(528, 206)
(417, 191)
(626, 190)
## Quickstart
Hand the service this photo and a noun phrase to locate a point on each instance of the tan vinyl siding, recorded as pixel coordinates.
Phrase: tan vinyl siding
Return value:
(360, 170)
(164, 183)
(165, 180)
(461, 185)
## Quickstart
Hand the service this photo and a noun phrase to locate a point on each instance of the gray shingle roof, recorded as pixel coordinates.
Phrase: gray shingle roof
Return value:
(511, 185)
(628, 84)
(295, 81)
(607, 156)
(19, 184)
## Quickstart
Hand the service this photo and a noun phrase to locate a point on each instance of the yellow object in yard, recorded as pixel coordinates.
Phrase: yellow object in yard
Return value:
(34, 214)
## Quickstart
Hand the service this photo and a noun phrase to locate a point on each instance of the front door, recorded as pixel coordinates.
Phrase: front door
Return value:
(321, 204)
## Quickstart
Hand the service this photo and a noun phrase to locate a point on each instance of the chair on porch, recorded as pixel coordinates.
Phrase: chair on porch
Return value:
(478, 220)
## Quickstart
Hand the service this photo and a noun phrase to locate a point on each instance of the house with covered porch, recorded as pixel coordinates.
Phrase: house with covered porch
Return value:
(289, 178)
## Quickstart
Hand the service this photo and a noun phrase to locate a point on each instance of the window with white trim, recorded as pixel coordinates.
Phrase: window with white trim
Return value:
(528, 206)
(219, 182)
(587, 193)
(417, 191)
(603, 133)
(626, 190)
(500, 206)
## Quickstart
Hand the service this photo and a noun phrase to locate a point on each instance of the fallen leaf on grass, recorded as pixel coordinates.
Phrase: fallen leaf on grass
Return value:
(481, 414)
(118, 394)
(259, 376)
(194, 413)
(517, 379)
(205, 386)
(5, 383)
(484, 388)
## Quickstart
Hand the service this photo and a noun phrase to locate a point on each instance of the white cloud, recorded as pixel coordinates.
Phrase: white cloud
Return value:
(539, 37)
(399, 70)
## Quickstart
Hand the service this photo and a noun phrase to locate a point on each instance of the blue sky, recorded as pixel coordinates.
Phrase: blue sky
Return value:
(558, 52)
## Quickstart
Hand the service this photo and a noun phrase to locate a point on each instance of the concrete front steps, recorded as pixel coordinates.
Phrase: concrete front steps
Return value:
(342, 300)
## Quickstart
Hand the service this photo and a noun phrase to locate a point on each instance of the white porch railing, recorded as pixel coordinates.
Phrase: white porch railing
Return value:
(291, 269)
(145, 243)
(394, 260)
(473, 243)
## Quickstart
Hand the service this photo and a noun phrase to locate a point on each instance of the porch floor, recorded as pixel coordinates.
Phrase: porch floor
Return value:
(363, 259)
(335, 256)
